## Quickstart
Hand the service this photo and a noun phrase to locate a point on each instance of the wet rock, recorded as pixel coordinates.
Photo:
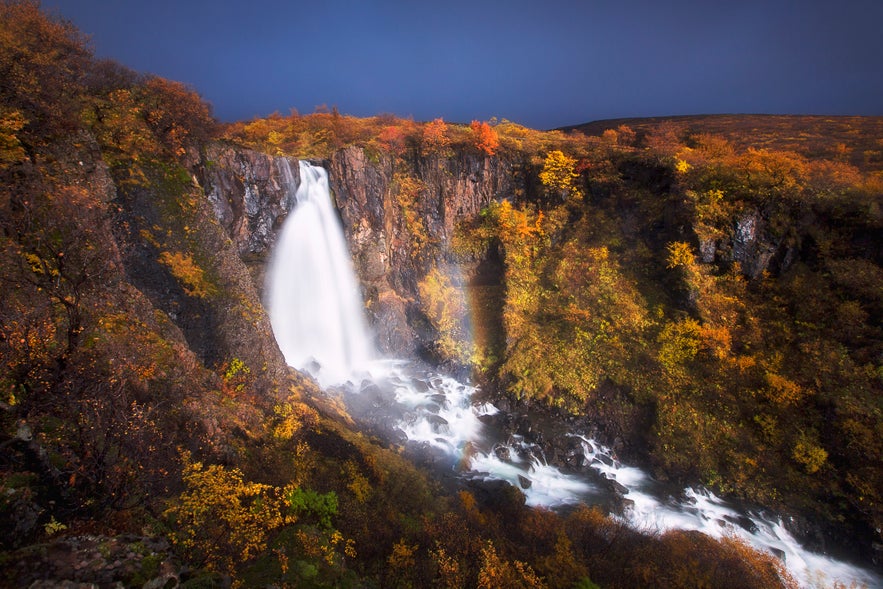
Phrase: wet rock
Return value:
(496, 494)
(503, 453)
(427, 455)
(623, 506)
(436, 420)
(616, 487)
(439, 424)
(807, 532)
(603, 459)
(524, 482)
(743, 522)
(565, 452)
(430, 407)
(469, 451)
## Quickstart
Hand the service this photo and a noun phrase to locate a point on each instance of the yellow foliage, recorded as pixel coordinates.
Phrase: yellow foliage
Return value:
(222, 519)
(402, 557)
(470, 506)
(445, 306)
(293, 417)
(783, 391)
(680, 254)
(679, 343)
(11, 150)
(496, 572)
(450, 574)
(327, 546)
(809, 454)
(358, 484)
(558, 174)
(408, 191)
(682, 166)
(184, 268)
(275, 139)
(53, 526)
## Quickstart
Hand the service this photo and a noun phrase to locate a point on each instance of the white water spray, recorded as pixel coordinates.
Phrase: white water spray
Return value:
(312, 295)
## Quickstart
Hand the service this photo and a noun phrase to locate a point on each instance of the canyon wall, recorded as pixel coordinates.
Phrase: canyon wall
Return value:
(250, 200)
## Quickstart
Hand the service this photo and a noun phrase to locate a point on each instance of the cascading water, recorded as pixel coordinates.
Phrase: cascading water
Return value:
(312, 294)
(318, 322)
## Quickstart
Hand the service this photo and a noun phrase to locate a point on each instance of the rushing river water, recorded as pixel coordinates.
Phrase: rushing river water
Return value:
(317, 320)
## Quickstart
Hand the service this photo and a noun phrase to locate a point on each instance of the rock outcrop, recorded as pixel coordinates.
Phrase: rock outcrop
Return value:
(751, 243)
(373, 214)
(250, 195)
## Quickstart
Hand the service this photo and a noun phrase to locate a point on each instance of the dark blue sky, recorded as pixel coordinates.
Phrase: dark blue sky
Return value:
(542, 63)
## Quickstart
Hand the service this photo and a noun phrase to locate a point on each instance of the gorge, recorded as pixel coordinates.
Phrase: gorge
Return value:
(311, 276)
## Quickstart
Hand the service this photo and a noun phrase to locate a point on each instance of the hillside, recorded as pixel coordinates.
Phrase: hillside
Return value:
(712, 312)
(856, 140)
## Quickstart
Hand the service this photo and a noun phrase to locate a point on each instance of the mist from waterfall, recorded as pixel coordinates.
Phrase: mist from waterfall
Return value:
(313, 298)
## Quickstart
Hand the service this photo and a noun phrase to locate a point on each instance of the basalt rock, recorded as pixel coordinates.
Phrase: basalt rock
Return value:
(250, 196)
(752, 243)
(96, 561)
(367, 195)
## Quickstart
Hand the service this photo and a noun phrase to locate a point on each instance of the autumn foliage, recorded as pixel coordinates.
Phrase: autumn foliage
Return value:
(711, 301)
(485, 138)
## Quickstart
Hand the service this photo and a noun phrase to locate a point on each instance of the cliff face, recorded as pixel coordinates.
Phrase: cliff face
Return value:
(250, 199)
(371, 197)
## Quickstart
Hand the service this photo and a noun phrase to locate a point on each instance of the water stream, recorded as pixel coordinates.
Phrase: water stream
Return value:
(318, 321)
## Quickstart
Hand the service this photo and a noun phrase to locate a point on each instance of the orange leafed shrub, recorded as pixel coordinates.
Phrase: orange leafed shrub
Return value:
(184, 268)
(484, 137)
(392, 139)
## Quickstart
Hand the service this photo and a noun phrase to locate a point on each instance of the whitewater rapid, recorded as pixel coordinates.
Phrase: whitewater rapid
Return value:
(438, 412)
(318, 321)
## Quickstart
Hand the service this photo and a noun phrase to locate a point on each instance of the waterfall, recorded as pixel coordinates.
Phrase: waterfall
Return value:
(313, 297)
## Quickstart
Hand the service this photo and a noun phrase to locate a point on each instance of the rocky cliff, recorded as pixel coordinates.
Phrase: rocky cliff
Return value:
(371, 196)
(251, 196)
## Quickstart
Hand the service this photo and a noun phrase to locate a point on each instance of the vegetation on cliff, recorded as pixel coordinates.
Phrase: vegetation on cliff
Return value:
(728, 301)
(721, 304)
(712, 300)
